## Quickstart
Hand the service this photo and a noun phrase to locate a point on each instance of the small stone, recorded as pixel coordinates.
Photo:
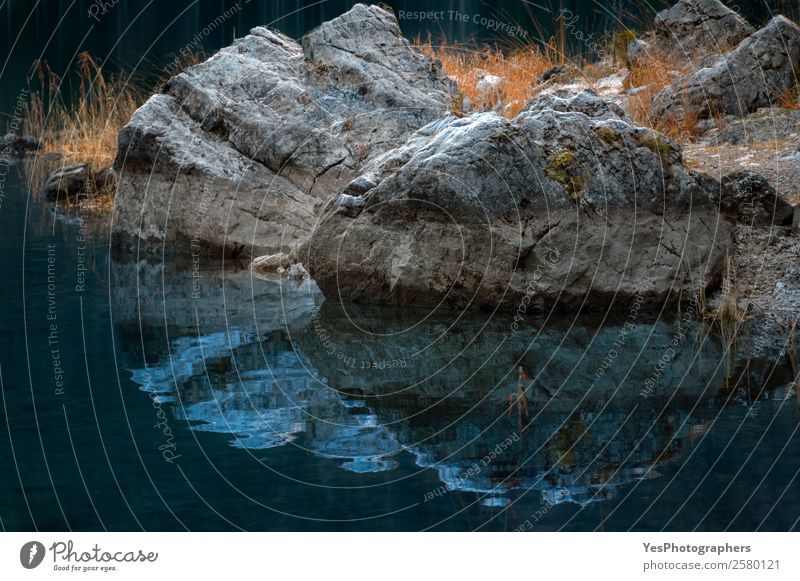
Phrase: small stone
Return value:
(693, 28)
(105, 181)
(70, 182)
(270, 263)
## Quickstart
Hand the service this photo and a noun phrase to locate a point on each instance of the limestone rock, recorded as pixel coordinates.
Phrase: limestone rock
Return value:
(755, 74)
(693, 28)
(241, 152)
(754, 200)
(271, 262)
(766, 124)
(552, 207)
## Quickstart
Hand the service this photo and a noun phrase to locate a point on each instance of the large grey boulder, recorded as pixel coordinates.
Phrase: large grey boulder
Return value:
(550, 207)
(755, 74)
(240, 152)
(693, 28)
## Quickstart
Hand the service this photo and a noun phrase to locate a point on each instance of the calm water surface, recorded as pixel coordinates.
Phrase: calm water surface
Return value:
(141, 396)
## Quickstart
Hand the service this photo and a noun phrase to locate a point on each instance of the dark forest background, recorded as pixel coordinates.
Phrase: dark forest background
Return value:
(144, 35)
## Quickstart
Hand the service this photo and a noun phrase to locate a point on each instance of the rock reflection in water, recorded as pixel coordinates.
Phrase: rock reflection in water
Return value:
(494, 412)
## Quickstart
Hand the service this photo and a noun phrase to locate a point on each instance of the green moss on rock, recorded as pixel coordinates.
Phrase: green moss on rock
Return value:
(563, 167)
(608, 134)
(658, 144)
(620, 42)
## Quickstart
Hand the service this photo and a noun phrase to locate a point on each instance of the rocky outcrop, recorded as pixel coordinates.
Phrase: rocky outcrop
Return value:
(767, 124)
(554, 206)
(586, 102)
(693, 28)
(757, 73)
(754, 201)
(240, 152)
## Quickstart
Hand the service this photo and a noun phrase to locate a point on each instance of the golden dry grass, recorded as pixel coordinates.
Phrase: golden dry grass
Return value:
(654, 73)
(519, 69)
(83, 128)
(727, 316)
(790, 99)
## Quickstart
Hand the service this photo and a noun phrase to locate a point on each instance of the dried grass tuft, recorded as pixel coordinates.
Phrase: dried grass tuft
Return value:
(519, 71)
(85, 127)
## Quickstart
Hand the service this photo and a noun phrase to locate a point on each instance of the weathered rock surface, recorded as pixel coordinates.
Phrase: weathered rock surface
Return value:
(755, 74)
(241, 152)
(753, 200)
(587, 102)
(693, 28)
(766, 124)
(554, 206)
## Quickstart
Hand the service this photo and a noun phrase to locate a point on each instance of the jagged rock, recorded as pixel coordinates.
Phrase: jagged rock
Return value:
(69, 182)
(753, 200)
(693, 28)
(241, 152)
(489, 84)
(755, 74)
(766, 124)
(587, 102)
(550, 207)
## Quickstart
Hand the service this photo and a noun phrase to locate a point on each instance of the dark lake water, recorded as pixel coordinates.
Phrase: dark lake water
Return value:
(146, 395)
